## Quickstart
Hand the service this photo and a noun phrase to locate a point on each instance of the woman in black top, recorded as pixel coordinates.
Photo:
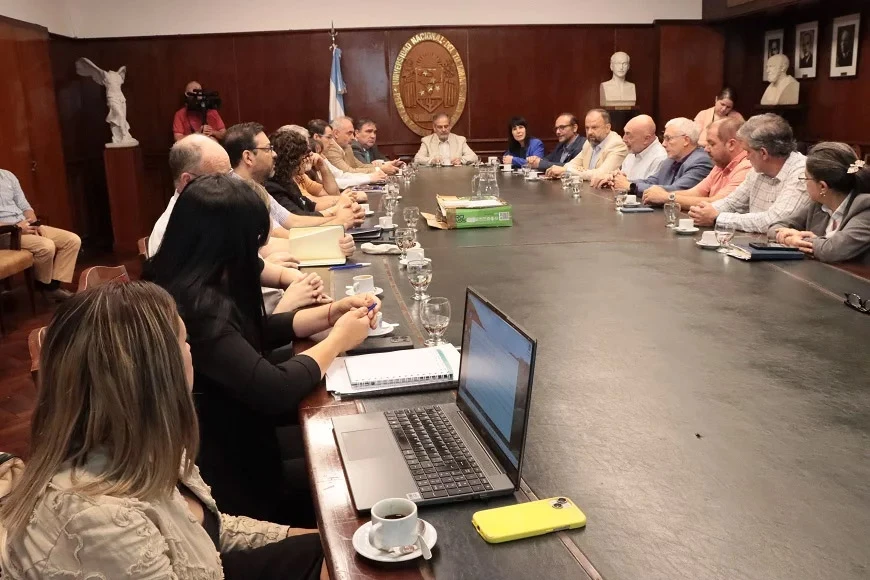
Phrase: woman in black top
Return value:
(208, 262)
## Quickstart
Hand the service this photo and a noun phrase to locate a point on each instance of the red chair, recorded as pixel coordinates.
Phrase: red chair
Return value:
(99, 275)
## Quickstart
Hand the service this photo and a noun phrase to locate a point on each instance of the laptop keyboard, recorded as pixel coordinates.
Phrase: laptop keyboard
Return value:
(438, 459)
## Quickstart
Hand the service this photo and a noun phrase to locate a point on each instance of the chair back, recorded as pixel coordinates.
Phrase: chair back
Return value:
(143, 248)
(34, 345)
(99, 275)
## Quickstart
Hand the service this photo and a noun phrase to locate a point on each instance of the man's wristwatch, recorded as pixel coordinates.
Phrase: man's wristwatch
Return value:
(632, 188)
(672, 196)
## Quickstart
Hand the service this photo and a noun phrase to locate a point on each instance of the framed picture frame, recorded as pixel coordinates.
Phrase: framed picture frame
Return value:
(844, 46)
(806, 50)
(773, 44)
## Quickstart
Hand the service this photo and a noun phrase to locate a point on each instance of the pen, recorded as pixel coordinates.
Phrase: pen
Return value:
(351, 266)
(372, 306)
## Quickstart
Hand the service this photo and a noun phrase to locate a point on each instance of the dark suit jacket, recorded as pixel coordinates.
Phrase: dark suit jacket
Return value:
(694, 168)
(291, 199)
(366, 155)
(555, 156)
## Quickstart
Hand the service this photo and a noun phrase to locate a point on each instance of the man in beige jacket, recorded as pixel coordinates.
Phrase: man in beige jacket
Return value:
(443, 147)
(339, 152)
(602, 153)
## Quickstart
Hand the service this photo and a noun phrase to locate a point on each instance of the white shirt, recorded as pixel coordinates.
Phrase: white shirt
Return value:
(160, 227)
(646, 163)
(444, 152)
(345, 179)
(836, 218)
(761, 201)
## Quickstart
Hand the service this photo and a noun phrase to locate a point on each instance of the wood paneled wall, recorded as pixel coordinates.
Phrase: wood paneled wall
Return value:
(280, 78)
(832, 108)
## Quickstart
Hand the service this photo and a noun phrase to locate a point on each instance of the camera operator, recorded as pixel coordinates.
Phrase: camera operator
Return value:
(189, 118)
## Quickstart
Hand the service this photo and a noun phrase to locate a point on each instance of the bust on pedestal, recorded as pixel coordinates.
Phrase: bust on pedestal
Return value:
(618, 92)
(783, 88)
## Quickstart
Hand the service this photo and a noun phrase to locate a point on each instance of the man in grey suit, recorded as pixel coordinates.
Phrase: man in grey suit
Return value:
(686, 165)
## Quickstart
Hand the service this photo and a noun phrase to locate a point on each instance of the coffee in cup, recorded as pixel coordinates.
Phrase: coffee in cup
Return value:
(506, 167)
(385, 221)
(363, 284)
(379, 317)
(533, 175)
(365, 207)
(631, 199)
(709, 238)
(394, 523)
(686, 224)
(415, 254)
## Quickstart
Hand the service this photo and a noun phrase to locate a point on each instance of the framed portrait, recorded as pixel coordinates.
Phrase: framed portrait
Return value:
(844, 46)
(806, 50)
(773, 40)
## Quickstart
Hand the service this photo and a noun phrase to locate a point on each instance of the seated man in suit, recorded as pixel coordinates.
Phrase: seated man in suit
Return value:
(773, 190)
(646, 156)
(54, 250)
(320, 134)
(364, 146)
(602, 154)
(443, 147)
(338, 151)
(570, 144)
(732, 166)
(686, 166)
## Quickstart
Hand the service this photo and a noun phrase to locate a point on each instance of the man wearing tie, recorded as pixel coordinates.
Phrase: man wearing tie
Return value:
(570, 144)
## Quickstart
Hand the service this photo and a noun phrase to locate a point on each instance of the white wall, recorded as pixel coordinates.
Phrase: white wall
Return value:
(52, 14)
(111, 18)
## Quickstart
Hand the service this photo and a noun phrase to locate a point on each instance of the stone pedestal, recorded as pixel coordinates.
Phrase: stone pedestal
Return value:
(619, 116)
(127, 201)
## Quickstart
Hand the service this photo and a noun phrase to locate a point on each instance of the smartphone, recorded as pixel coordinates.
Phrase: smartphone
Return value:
(383, 344)
(36, 223)
(529, 519)
(772, 246)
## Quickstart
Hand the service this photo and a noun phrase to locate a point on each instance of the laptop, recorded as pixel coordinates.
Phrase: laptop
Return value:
(317, 245)
(452, 452)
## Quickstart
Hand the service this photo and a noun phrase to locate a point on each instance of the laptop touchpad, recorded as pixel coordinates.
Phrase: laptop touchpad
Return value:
(368, 443)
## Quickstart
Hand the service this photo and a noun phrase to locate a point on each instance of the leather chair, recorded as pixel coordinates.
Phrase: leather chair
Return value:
(14, 261)
(143, 249)
(99, 275)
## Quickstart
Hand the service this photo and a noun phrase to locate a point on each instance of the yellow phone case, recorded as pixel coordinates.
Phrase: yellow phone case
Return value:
(528, 519)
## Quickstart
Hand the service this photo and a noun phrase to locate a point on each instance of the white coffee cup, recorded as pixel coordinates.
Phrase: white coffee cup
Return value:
(709, 238)
(493, 160)
(415, 254)
(533, 175)
(385, 221)
(506, 167)
(365, 207)
(630, 199)
(363, 284)
(686, 224)
(379, 317)
(394, 523)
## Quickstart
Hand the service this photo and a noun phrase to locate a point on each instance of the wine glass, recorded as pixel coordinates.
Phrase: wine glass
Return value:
(435, 316)
(420, 276)
(724, 235)
(405, 238)
(390, 202)
(672, 213)
(411, 215)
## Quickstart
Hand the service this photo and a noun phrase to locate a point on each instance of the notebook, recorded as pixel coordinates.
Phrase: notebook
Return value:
(636, 209)
(317, 246)
(396, 371)
(747, 254)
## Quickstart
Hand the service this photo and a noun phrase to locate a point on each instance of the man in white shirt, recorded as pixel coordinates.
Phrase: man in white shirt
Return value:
(773, 190)
(443, 147)
(646, 153)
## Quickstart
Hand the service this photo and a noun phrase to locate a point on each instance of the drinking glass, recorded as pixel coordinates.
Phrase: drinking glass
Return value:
(390, 202)
(526, 168)
(420, 276)
(405, 238)
(566, 180)
(724, 235)
(411, 215)
(620, 198)
(576, 184)
(672, 214)
(435, 316)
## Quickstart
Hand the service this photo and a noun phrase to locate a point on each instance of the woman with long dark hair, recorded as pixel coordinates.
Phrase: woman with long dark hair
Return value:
(208, 262)
(723, 108)
(520, 144)
(836, 227)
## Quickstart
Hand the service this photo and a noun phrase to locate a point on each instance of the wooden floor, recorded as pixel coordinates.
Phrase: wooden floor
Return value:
(17, 391)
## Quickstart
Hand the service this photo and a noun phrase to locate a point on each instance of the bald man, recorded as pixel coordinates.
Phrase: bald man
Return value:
(187, 122)
(645, 155)
(731, 168)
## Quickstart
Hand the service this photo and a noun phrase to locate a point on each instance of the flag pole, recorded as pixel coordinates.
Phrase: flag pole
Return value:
(332, 34)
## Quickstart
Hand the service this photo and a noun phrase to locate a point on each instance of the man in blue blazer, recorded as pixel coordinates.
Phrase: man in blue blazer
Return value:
(686, 166)
(570, 144)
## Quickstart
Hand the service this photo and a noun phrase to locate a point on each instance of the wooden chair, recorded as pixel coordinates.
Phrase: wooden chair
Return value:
(143, 249)
(14, 261)
(34, 345)
(99, 275)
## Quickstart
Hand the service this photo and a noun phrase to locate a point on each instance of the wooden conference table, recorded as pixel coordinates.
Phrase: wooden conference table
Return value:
(711, 417)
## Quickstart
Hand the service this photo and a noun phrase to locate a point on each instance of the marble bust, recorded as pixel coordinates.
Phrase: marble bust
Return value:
(783, 88)
(117, 118)
(618, 92)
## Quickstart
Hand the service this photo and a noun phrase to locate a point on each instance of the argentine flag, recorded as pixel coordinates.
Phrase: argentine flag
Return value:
(336, 87)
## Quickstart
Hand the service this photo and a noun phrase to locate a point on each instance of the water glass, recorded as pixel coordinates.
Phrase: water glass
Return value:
(566, 181)
(390, 202)
(405, 238)
(672, 214)
(526, 168)
(576, 184)
(620, 198)
(724, 235)
(435, 316)
(411, 215)
(420, 276)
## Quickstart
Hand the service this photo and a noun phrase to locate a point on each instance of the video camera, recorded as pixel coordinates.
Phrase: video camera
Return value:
(201, 100)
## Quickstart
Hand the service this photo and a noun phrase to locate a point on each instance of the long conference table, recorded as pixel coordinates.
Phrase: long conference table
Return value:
(711, 417)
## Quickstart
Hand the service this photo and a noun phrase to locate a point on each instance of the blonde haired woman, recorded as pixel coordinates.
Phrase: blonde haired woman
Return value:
(111, 490)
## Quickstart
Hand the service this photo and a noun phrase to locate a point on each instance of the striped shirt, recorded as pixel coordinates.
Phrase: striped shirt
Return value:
(13, 204)
(761, 201)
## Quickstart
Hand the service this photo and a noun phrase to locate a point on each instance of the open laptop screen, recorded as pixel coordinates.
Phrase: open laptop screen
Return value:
(495, 380)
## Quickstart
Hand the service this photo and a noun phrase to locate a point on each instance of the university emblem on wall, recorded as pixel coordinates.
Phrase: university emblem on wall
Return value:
(428, 78)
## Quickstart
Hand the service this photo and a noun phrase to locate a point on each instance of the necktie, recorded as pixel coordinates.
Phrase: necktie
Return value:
(672, 174)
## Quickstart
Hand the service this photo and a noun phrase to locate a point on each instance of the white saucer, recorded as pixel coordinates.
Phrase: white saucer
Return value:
(392, 227)
(686, 232)
(385, 329)
(370, 212)
(364, 548)
(378, 291)
(404, 261)
(701, 244)
(636, 204)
